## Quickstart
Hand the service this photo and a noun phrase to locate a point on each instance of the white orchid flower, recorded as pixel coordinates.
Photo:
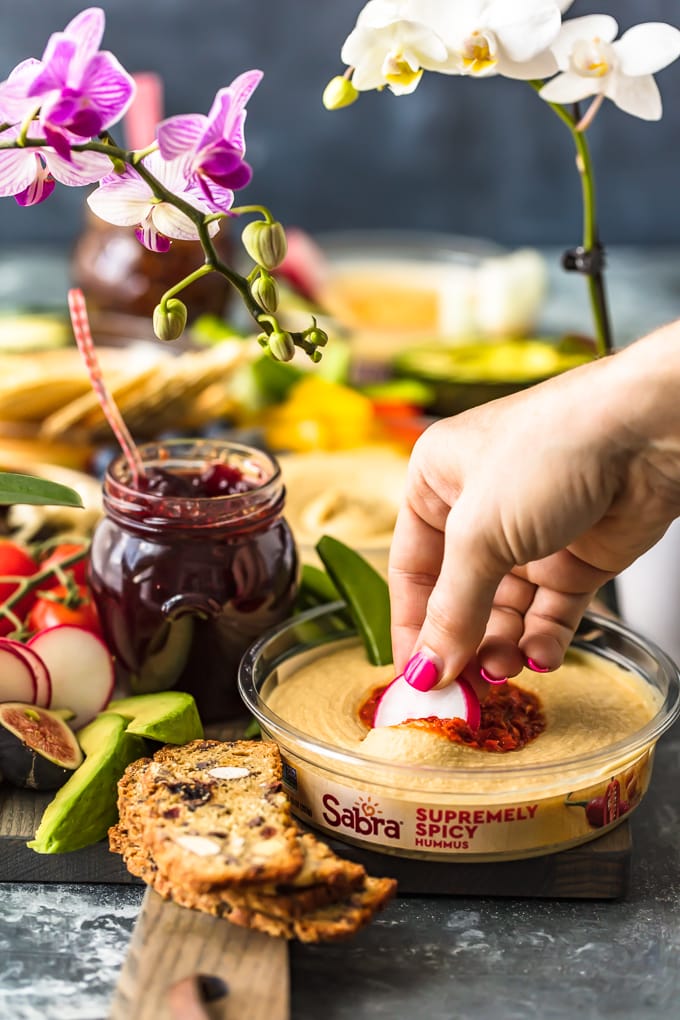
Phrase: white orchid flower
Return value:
(594, 64)
(507, 37)
(395, 40)
(391, 45)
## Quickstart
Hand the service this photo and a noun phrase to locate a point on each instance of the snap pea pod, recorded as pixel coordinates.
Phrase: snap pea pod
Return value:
(366, 593)
(316, 588)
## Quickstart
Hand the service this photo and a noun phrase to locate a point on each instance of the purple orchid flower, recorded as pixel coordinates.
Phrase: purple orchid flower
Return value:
(215, 144)
(128, 201)
(15, 104)
(80, 91)
(29, 173)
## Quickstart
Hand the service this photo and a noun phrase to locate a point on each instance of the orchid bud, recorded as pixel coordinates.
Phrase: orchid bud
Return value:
(338, 93)
(316, 336)
(265, 290)
(265, 243)
(281, 346)
(170, 319)
(316, 357)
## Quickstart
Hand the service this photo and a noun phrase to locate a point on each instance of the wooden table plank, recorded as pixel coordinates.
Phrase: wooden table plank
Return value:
(171, 943)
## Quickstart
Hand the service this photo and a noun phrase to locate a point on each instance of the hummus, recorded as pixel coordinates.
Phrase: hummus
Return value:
(353, 495)
(589, 704)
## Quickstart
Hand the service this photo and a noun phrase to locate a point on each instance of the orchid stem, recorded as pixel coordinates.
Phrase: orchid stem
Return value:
(186, 282)
(140, 154)
(591, 240)
(212, 262)
(241, 209)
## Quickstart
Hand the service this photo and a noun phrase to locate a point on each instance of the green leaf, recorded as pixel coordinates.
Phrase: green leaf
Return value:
(16, 488)
(366, 593)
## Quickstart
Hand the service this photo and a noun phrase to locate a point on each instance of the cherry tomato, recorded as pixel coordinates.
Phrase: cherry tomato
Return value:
(57, 556)
(15, 561)
(47, 612)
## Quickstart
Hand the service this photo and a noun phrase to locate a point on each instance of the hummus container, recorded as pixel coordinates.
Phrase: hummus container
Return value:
(502, 811)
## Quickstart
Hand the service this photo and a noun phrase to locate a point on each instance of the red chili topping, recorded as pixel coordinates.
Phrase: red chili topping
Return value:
(511, 719)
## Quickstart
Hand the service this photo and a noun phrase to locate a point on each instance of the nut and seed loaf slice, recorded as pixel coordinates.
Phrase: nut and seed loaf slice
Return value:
(330, 923)
(305, 918)
(323, 878)
(213, 813)
(167, 798)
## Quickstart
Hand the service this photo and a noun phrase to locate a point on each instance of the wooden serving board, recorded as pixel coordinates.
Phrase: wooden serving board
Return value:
(175, 954)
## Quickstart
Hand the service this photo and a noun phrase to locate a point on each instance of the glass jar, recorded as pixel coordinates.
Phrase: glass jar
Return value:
(184, 584)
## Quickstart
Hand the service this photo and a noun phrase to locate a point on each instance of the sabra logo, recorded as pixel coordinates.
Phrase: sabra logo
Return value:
(364, 818)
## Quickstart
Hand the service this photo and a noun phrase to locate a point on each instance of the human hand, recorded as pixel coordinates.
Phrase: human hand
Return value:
(518, 511)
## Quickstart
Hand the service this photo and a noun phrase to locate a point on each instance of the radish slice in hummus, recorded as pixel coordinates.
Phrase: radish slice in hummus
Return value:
(401, 702)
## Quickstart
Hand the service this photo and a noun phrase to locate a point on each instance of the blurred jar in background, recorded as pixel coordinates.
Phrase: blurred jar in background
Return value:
(120, 277)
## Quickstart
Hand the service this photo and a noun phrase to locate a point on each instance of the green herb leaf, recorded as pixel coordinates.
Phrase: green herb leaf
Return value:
(16, 488)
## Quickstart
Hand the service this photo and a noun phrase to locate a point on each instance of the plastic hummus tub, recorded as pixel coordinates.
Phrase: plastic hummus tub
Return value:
(406, 791)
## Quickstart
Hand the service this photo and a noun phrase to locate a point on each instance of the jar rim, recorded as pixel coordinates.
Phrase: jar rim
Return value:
(150, 511)
(169, 452)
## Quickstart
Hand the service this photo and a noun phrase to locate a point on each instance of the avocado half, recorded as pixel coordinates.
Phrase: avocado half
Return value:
(466, 375)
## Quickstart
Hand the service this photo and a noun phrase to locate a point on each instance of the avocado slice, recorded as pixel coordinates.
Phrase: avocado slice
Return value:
(170, 717)
(85, 807)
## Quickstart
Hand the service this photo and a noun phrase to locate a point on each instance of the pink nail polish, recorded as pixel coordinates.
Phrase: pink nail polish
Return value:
(422, 672)
(496, 680)
(533, 665)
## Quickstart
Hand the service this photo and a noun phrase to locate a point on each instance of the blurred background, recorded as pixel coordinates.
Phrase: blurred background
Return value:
(481, 158)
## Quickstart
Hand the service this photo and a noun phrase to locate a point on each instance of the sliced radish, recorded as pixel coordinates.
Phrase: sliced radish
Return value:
(17, 679)
(80, 668)
(43, 684)
(401, 702)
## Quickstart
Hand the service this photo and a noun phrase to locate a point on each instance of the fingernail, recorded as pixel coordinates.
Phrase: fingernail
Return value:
(492, 679)
(533, 665)
(423, 670)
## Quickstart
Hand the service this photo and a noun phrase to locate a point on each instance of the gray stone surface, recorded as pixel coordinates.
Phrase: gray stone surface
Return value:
(61, 948)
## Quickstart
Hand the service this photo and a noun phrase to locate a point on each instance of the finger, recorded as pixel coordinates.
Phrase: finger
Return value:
(460, 603)
(471, 673)
(549, 626)
(415, 561)
(499, 653)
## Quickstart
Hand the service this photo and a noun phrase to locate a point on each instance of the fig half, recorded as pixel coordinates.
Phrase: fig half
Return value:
(38, 750)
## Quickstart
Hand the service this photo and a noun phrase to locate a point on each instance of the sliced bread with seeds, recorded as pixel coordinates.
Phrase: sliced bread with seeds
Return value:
(213, 813)
(330, 923)
(323, 878)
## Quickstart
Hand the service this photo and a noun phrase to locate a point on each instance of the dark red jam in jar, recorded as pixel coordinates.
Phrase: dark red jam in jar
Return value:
(190, 566)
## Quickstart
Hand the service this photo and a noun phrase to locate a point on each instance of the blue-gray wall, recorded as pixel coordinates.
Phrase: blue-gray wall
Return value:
(480, 158)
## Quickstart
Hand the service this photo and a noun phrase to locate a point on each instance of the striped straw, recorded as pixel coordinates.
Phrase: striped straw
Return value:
(83, 335)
